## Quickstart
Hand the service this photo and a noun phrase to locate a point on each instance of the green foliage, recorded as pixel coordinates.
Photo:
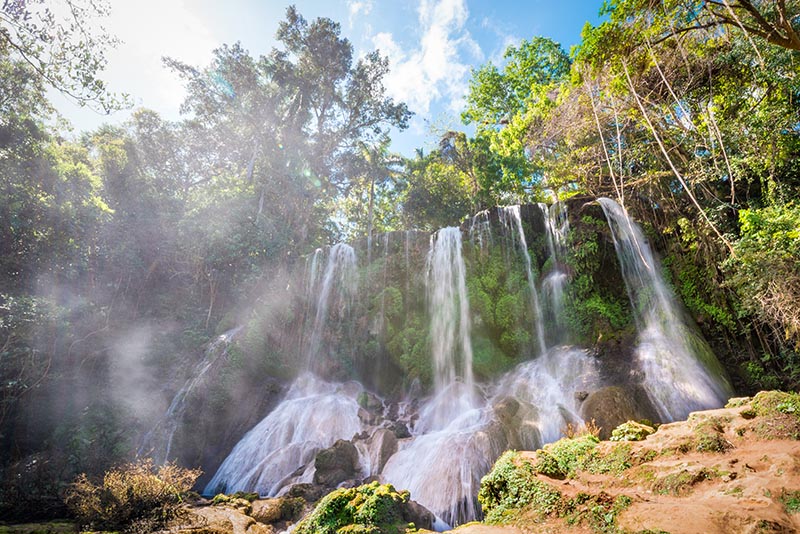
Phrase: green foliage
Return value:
(598, 511)
(595, 306)
(438, 194)
(511, 486)
(371, 508)
(768, 403)
(770, 243)
(563, 458)
(133, 498)
(410, 349)
(631, 431)
(495, 95)
(67, 46)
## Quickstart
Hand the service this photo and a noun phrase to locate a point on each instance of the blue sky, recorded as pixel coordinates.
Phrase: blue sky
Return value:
(431, 44)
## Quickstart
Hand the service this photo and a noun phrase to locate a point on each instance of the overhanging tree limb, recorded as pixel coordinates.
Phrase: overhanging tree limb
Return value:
(675, 171)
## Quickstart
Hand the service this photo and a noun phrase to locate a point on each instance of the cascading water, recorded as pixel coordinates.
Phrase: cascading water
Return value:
(512, 222)
(450, 451)
(158, 442)
(545, 389)
(314, 413)
(450, 323)
(681, 373)
(457, 433)
(313, 416)
(480, 231)
(335, 295)
(554, 283)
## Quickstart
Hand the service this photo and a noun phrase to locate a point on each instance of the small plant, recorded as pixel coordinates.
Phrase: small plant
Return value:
(564, 457)
(136, 497)
(791, 501)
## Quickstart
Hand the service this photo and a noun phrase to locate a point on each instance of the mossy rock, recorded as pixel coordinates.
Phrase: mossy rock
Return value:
(511, 485)
(610, 407)
(631, 431)
(372, 508)
(776, 402)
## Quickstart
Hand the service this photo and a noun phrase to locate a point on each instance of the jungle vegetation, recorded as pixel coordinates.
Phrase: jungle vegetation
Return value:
(685, 112)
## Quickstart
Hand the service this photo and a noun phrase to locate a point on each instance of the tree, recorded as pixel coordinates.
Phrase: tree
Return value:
(496, 96)
(62, 44)
(773, 21)
(504, 104)
(291, 122)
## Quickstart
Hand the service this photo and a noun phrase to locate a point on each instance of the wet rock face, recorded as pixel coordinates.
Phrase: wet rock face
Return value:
(413, 512)
(336, 464)
(610, 407)
(382, 444)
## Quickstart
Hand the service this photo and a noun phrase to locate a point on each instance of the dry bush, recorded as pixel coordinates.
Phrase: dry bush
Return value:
(575, 431)
(137, 497)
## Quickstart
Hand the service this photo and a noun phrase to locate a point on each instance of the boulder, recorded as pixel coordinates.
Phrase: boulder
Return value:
(609, 407)
(400, 430)
(278, 509)
(381, 445)
(336, 464)
(516, 421)
(310, 492)
(414, 512)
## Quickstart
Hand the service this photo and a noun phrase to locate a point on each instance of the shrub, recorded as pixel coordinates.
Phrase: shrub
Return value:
(136, 497)
(512, 485)
(566, 456)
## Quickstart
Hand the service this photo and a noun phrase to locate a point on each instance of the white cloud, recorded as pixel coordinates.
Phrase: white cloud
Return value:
(436, 67)
(358, 7)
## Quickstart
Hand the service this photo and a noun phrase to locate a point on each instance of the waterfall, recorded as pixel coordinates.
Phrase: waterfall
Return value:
(158, 442)
(554, 283)
(681, 373)
(450, 323)
(443, 464)
(312, 417)
(480, 231)
(335, 295)
(546, 390)
(512, 222)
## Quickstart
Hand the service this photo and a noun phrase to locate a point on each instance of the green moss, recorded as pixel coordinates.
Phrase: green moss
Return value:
(680, 483)
(631, 431)
(618, 459)
(511, 486)
(371, 508)
(596, 305)
(709, 436)
(487, 359)
(566, 456)
(774, 402)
